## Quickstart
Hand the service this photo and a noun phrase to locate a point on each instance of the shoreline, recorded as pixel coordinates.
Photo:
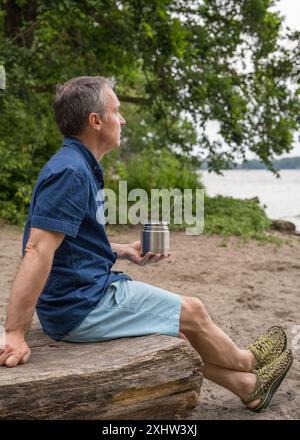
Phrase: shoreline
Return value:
(279, 197)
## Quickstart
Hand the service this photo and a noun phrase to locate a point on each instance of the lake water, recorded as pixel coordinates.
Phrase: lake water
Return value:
(280, 195)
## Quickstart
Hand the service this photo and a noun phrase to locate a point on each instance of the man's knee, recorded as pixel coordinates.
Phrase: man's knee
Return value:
(192, 314)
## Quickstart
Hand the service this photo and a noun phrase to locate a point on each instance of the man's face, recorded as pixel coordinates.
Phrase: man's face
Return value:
(110, 133)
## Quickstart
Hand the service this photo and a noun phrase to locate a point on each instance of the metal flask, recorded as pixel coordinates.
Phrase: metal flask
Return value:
(155, 237)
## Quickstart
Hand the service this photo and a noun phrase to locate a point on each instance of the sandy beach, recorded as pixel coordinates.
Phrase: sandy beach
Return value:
(246, 287)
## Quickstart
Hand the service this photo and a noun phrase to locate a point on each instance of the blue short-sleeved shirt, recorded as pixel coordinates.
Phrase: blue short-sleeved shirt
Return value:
(68, 198)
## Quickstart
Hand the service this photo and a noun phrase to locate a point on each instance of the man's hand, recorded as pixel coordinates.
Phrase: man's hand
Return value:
(15, 350)
(133, 253)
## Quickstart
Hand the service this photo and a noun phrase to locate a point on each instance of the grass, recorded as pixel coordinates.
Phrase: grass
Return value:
(226, 216)
(229, 216)
(246, 219)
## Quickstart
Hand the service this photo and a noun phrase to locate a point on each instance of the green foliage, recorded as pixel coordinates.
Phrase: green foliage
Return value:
(22, 161)
(152, 169)
(158, 169)
(180, 64)
(228, 216)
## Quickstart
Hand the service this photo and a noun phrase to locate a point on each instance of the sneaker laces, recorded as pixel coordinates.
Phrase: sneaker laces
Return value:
(262, 347)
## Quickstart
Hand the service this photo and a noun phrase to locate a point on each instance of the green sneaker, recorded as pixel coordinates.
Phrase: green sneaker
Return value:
(268, 380)
(269, 346)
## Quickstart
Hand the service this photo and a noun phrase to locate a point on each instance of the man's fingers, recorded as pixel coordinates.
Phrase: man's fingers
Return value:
(12, 360)
(25, 357)
(150, 258)
(4, 357)
(154, 258)
(5, 354)
(158, 257)
(164, 256)
(145, 258)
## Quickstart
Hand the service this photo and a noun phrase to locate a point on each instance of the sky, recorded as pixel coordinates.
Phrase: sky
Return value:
(290, 9)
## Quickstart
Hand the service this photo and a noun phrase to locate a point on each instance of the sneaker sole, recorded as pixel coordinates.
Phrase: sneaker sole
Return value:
(273, 388)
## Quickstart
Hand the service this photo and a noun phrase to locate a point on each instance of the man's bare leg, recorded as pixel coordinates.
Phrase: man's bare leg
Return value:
(239, 383)
(213, 345)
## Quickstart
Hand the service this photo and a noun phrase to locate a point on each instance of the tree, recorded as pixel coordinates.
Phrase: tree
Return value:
(179, 64)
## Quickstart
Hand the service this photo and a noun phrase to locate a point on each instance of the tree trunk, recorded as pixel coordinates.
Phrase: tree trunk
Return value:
(15, 18)
(150, 377)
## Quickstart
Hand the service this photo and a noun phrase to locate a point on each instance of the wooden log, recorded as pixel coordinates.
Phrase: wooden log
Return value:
(149, 377)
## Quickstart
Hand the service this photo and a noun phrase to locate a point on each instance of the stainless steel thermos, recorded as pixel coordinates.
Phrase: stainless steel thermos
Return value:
(155, 237)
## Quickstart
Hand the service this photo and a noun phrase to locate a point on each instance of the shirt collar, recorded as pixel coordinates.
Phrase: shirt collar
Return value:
(72, 142)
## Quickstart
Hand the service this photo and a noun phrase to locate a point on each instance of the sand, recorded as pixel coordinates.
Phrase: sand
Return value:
(246, 288)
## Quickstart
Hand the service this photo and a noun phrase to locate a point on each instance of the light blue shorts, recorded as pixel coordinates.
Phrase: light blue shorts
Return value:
(130, 308)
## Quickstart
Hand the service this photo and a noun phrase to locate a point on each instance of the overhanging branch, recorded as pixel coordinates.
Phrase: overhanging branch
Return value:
(39, 88)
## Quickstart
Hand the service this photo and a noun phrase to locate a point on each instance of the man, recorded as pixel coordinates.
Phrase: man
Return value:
(67, 260)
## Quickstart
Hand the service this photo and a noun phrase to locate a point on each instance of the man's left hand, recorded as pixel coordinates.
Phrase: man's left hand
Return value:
(133, 253)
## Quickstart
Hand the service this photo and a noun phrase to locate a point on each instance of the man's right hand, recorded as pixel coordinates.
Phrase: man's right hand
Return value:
(15, 350)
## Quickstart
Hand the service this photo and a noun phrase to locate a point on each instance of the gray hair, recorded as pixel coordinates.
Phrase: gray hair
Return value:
(76, 99)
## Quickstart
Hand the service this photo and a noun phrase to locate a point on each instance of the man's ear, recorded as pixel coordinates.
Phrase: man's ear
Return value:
(95, 121)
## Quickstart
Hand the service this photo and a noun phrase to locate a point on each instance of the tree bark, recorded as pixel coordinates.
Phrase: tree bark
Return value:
(149, 377)
(15, 18)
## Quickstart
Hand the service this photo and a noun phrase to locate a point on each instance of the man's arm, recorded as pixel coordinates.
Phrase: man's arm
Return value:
(28, 284)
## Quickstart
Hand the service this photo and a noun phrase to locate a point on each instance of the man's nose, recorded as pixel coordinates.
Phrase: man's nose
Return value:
(122, 122)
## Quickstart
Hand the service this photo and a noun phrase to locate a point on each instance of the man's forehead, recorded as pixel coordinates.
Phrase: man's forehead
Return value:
(113, 100)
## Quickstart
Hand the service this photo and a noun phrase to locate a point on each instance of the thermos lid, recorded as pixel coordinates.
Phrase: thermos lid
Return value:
(155, 222)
